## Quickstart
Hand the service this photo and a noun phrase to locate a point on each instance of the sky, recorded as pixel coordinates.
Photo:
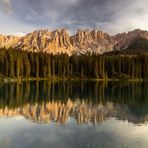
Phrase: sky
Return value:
(19, 17)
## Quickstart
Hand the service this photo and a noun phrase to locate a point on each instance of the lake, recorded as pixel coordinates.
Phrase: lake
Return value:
(74, 114)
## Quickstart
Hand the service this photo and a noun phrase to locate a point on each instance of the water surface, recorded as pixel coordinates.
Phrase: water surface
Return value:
(74, 114)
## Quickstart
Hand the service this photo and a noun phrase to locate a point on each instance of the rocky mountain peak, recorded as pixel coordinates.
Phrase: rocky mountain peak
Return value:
(124, 39)
(8, 40)
(35, 41)
(91, 41)
(89, 35)
(60, 41)
(82, 36)
(98, 34)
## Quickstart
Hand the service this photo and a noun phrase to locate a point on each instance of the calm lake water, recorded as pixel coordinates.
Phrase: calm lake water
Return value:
(74, 115)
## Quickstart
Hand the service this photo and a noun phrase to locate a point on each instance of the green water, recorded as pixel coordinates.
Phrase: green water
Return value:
(74, 114)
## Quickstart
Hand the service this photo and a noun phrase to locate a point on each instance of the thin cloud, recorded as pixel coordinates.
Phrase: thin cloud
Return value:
(6, 5)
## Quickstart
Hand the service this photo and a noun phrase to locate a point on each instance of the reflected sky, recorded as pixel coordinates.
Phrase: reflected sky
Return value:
(19, 132)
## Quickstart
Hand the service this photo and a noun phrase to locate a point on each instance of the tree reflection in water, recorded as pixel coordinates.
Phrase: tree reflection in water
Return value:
(86, 102)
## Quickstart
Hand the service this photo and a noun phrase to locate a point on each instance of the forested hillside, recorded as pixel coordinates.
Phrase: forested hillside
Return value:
(23, 64)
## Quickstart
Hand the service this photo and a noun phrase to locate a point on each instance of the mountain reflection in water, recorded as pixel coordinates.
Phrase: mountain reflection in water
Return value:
(86, 102)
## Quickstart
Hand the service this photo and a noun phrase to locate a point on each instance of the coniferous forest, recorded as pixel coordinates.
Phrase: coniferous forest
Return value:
(22, 64)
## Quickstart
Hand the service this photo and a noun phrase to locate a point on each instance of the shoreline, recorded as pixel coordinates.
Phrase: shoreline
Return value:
(20, 80)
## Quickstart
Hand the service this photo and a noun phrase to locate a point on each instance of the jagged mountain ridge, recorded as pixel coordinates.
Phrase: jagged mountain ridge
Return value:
(8, 41)
(125, 39)
(60, 41)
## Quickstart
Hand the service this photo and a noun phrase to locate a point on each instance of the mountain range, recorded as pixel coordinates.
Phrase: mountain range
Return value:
(82, 42)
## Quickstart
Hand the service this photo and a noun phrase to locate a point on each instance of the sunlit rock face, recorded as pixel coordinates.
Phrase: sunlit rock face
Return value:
(93, 41)
(123, 40)
(60, 41)
(35, 41)
(54, 42)
(8, 41)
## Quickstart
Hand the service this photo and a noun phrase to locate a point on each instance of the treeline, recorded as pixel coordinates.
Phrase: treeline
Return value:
(23, 64)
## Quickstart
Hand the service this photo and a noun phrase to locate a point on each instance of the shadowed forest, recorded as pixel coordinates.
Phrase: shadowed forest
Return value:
(21, 64)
